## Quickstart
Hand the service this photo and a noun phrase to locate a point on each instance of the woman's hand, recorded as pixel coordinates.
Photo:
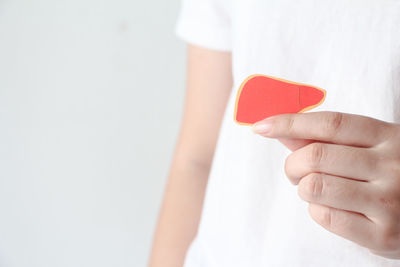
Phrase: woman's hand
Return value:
(348, 168)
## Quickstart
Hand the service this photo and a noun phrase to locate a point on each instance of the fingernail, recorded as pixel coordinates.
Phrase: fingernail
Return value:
(262, 127)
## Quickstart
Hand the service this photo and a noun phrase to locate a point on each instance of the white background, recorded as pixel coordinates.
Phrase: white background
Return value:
(90, 102)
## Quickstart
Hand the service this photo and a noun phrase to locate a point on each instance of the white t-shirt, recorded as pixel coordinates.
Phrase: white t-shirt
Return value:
(252, 214)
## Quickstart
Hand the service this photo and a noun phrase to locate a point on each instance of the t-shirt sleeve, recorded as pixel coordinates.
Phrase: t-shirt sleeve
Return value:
(205, 23)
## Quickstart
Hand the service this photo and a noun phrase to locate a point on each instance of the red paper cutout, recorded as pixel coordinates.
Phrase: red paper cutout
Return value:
(262, 96)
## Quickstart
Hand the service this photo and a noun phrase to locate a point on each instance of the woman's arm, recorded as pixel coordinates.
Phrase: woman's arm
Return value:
(209, 83)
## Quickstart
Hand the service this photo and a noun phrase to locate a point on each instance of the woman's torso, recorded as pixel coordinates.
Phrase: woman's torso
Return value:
(252, 215)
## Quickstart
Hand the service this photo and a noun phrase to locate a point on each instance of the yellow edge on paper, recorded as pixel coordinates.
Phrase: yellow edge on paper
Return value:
(279, 79)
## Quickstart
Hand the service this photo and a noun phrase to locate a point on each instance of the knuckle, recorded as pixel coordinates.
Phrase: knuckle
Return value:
(323, 216)
(333, 123)
(316, 153)
(311, 187)
(326, 218)
(288, 171)
(287, 166)
(290, 125)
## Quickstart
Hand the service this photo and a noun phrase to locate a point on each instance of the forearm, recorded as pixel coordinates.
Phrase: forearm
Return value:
(209, 83)
(180, 213)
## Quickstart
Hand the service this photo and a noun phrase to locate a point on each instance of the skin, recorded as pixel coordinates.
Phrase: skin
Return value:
(209, 84)
(347, 167)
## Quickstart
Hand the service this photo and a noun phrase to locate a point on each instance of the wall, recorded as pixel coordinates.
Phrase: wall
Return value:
(90, 102)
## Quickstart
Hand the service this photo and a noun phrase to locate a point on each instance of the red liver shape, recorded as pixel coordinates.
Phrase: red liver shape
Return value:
(262, 96)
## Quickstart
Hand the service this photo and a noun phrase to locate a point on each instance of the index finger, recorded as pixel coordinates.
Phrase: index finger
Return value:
(333, 127)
